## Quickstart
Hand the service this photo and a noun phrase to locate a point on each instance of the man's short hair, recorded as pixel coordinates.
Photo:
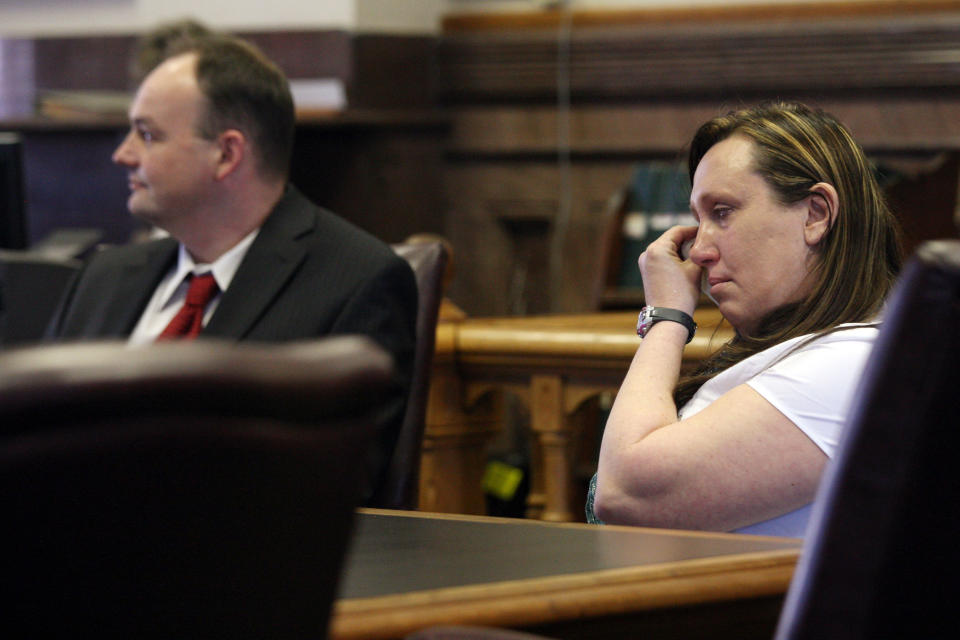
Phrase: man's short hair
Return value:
(155, 46)
(247, 92)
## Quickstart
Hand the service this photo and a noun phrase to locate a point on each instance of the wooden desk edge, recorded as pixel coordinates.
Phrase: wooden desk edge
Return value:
(553, 598)
(465, 517)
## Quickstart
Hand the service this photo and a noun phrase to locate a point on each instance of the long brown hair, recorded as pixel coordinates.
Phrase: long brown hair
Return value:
(795, 147)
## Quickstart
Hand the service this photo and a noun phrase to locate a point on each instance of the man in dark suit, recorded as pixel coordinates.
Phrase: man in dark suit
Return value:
(207, 157)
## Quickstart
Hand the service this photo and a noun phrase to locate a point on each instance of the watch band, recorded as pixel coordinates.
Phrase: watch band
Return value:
(649, 316)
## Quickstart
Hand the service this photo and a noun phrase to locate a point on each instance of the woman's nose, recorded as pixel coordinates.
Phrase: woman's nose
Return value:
(703, 251)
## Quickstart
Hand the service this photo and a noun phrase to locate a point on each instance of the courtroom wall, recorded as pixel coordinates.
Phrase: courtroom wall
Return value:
(62, 17)
(468, 131)
(59, 17)
(548, 131)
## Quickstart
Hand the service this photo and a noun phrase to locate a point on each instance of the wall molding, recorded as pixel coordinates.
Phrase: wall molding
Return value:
(715, 61)
(378, 71)
(552, 18)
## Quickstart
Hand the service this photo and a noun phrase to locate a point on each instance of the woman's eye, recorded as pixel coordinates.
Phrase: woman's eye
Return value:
(721, 212)
(145, 135)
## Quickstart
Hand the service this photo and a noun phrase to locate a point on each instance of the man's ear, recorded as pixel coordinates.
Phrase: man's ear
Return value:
(823, 204)
(232, 148)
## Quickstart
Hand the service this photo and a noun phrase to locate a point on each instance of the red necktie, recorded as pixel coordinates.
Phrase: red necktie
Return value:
(189, 320)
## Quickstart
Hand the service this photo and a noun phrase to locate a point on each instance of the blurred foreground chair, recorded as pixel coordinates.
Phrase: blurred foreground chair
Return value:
(182, 490)
(881, 549)
(455, 632)
(30, 289)
(428, 257)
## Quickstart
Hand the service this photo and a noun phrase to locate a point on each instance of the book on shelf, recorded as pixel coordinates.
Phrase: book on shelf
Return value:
(83, 104)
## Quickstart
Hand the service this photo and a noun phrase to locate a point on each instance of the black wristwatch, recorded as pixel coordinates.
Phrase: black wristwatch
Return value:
(650, 316)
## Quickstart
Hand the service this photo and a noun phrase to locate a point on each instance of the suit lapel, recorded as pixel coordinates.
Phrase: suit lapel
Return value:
(140, 276)
(270, 262)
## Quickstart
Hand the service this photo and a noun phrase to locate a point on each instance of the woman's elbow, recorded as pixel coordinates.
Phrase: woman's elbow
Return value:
(613, 506)
(645, 499)
(603, 506)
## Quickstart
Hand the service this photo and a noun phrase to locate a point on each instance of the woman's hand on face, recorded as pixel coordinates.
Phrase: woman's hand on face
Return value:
(668, 279)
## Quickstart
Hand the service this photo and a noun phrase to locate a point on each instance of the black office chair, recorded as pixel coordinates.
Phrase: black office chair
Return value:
(428, 257)
(30, 289)
(881, 550)
(182, 490)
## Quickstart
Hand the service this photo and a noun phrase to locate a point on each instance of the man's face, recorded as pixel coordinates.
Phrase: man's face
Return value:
(170, 167)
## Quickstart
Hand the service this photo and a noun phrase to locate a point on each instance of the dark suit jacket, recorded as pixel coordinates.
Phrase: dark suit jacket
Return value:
(308, 273)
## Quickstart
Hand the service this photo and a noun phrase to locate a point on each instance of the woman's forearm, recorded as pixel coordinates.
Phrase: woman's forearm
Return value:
(645, 400)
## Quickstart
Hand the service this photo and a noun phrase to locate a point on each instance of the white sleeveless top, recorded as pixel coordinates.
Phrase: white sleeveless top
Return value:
(812, 385)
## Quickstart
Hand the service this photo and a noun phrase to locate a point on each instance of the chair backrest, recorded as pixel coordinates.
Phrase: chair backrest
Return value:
(428, 257)
(466, 632)
(30, 289)
(881, 548)
(195, 490)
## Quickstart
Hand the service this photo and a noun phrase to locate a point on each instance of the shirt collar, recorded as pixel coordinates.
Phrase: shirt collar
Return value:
(223, 268)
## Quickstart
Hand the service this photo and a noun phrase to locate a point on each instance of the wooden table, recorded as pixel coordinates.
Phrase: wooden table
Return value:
(410, 570)
(553, 364)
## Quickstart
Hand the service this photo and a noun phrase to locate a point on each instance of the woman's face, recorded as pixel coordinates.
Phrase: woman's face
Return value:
(751, 246)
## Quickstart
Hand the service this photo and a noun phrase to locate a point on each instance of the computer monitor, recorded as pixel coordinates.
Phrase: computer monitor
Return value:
(13, 210)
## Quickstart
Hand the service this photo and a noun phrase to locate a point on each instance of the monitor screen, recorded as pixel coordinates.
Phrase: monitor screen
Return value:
(13, 210)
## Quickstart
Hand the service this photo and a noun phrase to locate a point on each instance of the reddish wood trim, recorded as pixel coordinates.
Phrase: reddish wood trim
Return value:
(568, 597)
(471, 22)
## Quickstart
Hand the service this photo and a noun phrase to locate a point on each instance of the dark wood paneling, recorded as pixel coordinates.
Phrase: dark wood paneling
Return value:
(725, 60)
(925, 199)
(83, 63)
(894, 123)
(379, 164)
(381, 171)
(308, 54)
(639, 85)
(102, 63)
(378, 71)
(397, 71)
(503, 219)
(551, 18)
(384, 175)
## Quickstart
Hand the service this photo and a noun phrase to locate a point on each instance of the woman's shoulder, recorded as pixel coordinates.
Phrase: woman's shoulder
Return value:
(818, 355)
(859, 333)
(845, 338)
(813, 381)
(838, 350)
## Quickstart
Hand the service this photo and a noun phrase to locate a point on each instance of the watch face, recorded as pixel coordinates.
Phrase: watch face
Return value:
(649, 316)
(644, 321)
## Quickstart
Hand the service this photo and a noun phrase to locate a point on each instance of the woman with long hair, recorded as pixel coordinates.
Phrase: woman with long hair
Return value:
(797, 247)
